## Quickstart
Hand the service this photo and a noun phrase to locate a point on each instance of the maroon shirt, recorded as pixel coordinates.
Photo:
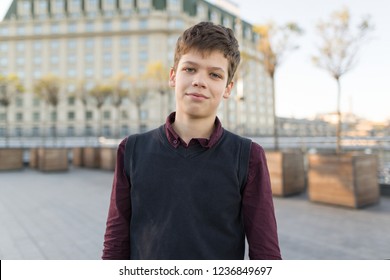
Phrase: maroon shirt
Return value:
(257, 205)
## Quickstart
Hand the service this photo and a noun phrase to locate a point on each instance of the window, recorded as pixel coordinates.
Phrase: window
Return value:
(176, 23)
(88, 72)
(89, 44)
(143, 56)
(71, 58)
(18, 131)
(36, 102)
(71, 116)
(3, 47)
(35, 131)
(71, 72)
(37, 74)
(70, 131)
(107, 72)
(106, 130)
(88, 130)
(125, 56)
(37, 29)
(54, 59)
(54, 44)
(4, 31)
(107, 26)
(144, 115)
(125, 42)
(125, 70)
(20, 46)
(36, 116)
(53, 116)
(71, 100)
(125, 25)
(59, 5)
(143, 24)
(88, 115)
(92, 3)
(143, 40)
(55, 28)
(88, 57)
(71, 88)
(19, 102)
(3, 61)
(19, 117)
(89, 27)
(72, 27)
(106, 115)
(20, 61)
(124, 130)
(107, 57)
(20, 30)
(107, 43)
(72, 44)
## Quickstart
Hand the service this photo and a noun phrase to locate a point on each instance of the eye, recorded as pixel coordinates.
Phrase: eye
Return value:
(189, 70)
(215, 76)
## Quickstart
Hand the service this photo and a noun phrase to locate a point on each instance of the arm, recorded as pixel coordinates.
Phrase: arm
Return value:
(117, 236)
(258, 209)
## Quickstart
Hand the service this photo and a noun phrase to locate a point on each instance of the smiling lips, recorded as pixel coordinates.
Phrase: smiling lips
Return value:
(197, 96)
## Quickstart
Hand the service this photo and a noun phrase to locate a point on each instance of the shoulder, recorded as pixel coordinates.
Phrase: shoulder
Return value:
(235, 137)
(143, 135)
(257, 153)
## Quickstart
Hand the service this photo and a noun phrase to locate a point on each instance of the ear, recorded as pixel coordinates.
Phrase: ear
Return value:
(228, 90)
(172, 78)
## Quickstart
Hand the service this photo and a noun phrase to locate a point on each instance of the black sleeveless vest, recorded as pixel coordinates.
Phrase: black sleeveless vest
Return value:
(186, 202)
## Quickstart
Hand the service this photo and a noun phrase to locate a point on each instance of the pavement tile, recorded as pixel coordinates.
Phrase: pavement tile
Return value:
(62, 216)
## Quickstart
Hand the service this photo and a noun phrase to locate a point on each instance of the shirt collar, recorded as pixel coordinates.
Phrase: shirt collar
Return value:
(175, 140)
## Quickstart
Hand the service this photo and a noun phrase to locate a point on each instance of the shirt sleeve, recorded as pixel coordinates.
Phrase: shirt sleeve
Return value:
(258, 209)
(117, 236)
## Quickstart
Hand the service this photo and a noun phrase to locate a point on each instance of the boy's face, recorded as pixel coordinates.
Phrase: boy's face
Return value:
(200, 83)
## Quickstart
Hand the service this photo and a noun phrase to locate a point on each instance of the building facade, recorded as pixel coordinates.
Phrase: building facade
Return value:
(91, 41)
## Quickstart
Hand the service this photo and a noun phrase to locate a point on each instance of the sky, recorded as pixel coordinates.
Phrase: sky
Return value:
(302, 89)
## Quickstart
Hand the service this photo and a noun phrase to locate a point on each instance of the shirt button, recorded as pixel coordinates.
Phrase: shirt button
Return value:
(175, 141)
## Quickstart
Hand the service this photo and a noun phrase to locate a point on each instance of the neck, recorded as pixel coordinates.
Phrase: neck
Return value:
(188, 128)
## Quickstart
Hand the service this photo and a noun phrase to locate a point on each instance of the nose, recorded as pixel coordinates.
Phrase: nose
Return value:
(198, 81)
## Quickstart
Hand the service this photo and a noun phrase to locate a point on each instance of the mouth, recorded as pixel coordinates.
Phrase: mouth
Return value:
(197, 96)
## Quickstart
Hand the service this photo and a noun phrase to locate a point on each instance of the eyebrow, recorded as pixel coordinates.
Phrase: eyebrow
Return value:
(210, 68)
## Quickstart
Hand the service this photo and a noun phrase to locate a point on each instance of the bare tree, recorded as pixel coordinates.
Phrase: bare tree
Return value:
(100, 92)
(241, 73)
(158, 75)
(121, 86)
(274, 43)
(48, 89)
(80, 92)
(10, 87)
(138, 94)
(337, 52)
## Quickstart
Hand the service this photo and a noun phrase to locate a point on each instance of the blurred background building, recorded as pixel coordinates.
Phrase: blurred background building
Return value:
(89, 42)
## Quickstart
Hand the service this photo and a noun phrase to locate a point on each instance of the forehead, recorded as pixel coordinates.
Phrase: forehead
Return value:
(213, 58)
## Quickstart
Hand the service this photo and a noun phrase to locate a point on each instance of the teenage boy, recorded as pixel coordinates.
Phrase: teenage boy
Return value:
(191, 189)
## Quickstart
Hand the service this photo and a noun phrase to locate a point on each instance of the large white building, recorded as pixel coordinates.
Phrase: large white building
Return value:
(94, 40)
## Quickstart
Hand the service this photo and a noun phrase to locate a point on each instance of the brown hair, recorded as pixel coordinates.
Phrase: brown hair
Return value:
(206, 37)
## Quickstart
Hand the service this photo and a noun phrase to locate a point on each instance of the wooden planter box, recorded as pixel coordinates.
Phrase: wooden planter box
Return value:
(91, 157)
(11, 158)
(33, 161)
(53, 159)
(287, 172)
(77, 156)
(107, 158)
(347, 180)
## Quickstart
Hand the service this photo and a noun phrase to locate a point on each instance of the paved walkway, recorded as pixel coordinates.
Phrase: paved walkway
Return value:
(62, 216)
